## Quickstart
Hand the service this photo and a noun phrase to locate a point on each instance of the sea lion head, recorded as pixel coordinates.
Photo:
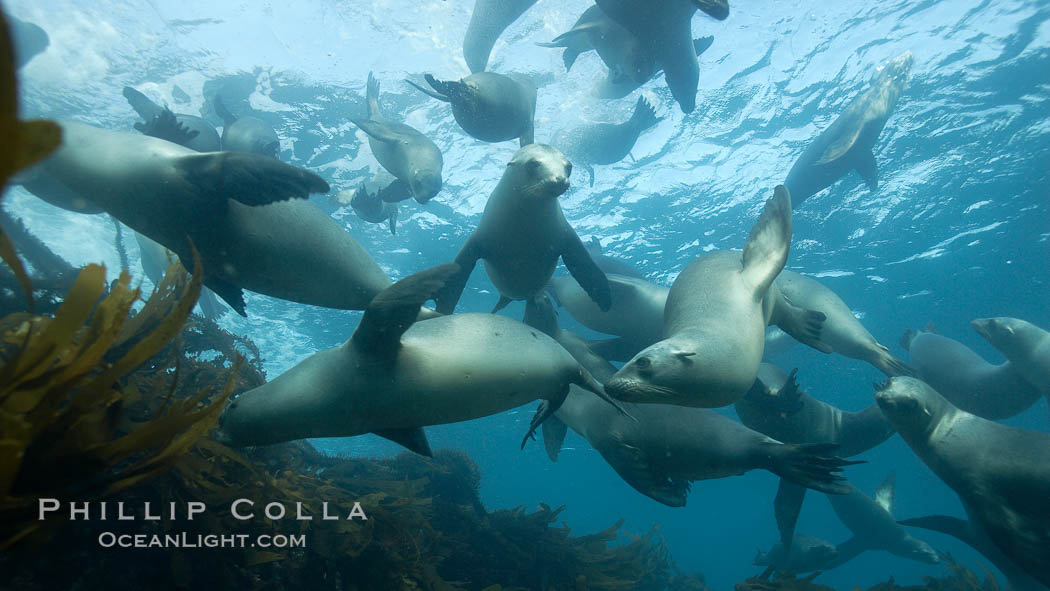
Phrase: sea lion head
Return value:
(896, 70)
(540, 171)
(1012, 336)
(911, 405)
(424, 184)
(660, 373)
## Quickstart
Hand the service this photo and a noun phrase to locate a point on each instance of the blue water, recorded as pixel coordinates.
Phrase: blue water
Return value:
(958, 229)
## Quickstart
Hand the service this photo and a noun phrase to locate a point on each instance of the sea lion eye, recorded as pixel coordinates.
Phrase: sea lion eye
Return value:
(643, 363)
(533, 167)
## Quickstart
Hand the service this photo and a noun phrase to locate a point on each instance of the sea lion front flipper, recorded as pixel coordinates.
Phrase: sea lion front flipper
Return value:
(803, 325)
(230, 293)
(887, 493)
(865, 165)
(220, 109)
(393, 221)
(847, 551)
(716, 9)
(634, 467)
(379, 130)
(164, 126)
(945, 524)
(590, 172)
(412, 439)
(395, 309)
(210, 306)
(503, 302)
(428, 92)
(583, 268)
(768, 243)
(553, 431)
(146, 108)
(448, 296)
(528, 136)
(787, 506)
(251, 179)
(396, 192)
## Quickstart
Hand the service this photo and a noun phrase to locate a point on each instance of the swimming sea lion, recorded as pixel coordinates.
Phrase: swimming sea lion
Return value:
(155, 260)
(714, 322)
(666, 29)
(487, 23)
(246, 214)
(874, 528)
(394, 376)
(993, 392)
(201, 135)
(636, 313)
(368, 203)
(247, 134)
(489, 107)
(623, 53)
(28, 39)
(606, 143)
(1026, 346)
(848, 142)
(522, 233)
(659, 449)
(841, 332)
(608, 264)
(806, 554)
(1000, 473)
(404, 152)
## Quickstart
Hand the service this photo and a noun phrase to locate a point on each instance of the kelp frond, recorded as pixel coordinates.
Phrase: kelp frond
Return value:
(61, 400)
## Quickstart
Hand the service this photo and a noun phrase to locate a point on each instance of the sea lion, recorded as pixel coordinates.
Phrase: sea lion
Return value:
(1026, 346)
(368, 203)
(714, 322)
(874, 528)
(404, 152)
(395, 376)
(841, 332)
(606, 143)
(522, 233)
(636, 313)
(487, 23)
(666, 29)
(1000, 473)
(156, 259)
(247, 133)
(489, 107)
(993, 392)
(627, 58)
(778, 342)
(848, 142)
(199, 135)
(608, 264)
(805, 554)
(246, 214)
(29, 40)
(659, 449)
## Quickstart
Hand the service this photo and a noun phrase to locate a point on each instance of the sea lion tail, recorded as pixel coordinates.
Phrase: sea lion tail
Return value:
(644, 115)
(812, 465)
(585, 380)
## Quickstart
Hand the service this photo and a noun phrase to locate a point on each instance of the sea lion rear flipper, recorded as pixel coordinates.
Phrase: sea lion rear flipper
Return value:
(585, 271)
(888, 364)
(248, 178)
(165, 126)
(412, 439)
(223, 113)
(553, 431)
(395, 309)
(803, 325)
(428, 92)
(393, 221)
(146, 108)
(768, 243)
(786, 508)
(503, 302)
(618, 349)
(585, 380)
(812, 465)
(448, 296)
(865, 165)
(230, 293)
(544, 411)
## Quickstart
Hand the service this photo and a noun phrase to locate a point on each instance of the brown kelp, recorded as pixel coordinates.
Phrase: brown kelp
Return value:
(61, 396)
(23, 144)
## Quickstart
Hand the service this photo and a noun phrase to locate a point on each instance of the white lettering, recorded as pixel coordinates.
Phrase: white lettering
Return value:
(45, 506)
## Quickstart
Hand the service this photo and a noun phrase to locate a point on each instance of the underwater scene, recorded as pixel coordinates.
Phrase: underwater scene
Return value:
(498, 295)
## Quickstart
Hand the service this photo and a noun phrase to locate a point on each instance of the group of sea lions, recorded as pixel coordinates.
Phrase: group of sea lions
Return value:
(696, 345)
